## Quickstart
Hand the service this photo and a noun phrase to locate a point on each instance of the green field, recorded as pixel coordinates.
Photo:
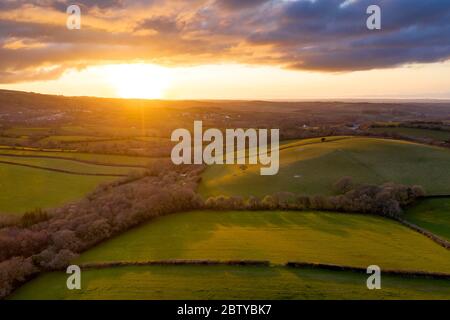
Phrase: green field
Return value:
(91, 157)
(227, 282)
(24, 188)
(279, 237)
(311, 167)
(415, 132)
(69, 165)
(27, 188)
(432, 215)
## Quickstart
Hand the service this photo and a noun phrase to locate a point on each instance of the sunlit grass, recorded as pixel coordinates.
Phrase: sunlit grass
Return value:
(227, 282)
(279, 237)
(433, 215)
(312, 167)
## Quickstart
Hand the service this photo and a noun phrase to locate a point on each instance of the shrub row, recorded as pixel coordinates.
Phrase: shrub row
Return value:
(385, 200)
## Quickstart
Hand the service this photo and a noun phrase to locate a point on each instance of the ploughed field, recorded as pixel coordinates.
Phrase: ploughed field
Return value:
(38, 179)
(227, 282)
(311, 167)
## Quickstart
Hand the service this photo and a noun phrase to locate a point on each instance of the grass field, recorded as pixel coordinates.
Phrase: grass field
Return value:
(227, 282)
(311, 167)
(279, 237)
(69, 165)
(28, 188)
(25, 188)
(92, 157)
(415, 132)
(433, 215)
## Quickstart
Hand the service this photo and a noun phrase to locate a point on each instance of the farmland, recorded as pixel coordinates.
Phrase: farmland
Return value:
(31, 179)
(58, 150)
(68, 165)
(433, 215)
(311, 167)
(227, 282)
(108, 159)
(279, 237)
(41, 188)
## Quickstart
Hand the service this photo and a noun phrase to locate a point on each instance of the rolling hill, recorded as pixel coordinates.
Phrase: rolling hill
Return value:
(312, 167)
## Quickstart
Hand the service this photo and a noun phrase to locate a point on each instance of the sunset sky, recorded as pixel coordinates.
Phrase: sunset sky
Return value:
(227, 49)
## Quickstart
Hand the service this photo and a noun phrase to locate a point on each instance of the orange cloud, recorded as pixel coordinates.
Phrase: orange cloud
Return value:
(320, 35)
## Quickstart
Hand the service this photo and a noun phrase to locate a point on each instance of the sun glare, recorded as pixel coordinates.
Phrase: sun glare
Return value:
(140, 81)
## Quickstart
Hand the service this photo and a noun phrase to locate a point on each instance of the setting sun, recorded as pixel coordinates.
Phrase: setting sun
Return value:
(141, 81)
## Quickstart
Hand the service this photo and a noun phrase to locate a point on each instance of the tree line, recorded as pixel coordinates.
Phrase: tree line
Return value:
(386, 200)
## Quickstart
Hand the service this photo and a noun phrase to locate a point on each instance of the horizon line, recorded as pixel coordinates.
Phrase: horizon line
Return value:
(279, 100)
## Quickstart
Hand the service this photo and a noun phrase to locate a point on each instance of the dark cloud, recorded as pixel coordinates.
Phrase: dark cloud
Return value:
(324, 35)
(319, 35)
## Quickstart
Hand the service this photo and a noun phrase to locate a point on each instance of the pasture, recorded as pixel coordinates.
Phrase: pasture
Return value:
(312, 167)
(28, 188)
(69, 165)
(30, 179)
(278, 237)
(432, 215)
(227, 282)
(108, 159)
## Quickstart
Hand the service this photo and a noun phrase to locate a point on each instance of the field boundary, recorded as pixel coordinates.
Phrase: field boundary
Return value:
(72, 159)
(436, 196)
(61, 170)
(261, 263)
(75, 151)
(402, 273)
(437, 239)
(440, 241)
(175, 262)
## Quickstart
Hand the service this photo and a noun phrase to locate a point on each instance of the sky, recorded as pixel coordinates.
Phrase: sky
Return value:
(227, 49)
